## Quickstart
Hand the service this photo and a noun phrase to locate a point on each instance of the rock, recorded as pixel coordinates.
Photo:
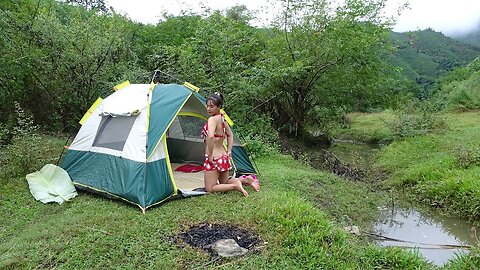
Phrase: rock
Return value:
(228, 248)
(353, 230)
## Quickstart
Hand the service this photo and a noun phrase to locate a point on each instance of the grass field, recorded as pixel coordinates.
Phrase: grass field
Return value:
(298, 215)
(443, 168)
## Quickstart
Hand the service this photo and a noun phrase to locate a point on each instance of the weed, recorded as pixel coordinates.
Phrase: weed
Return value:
(467, 156)
(409, 124)
(23, 152)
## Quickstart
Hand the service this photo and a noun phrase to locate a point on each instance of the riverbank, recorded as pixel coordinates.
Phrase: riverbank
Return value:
(439, 169)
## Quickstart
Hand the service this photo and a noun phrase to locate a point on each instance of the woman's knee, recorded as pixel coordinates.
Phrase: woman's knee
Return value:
(211, 179)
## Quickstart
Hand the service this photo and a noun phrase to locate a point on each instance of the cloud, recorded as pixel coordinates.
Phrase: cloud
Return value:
(446, 16)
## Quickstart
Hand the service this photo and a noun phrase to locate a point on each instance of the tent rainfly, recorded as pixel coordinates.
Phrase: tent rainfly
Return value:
(129, 141)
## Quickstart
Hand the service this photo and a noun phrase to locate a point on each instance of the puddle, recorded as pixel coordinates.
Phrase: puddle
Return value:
(426, 232)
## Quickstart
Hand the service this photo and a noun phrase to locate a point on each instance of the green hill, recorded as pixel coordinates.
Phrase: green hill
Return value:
(459, 89)
(426, 55)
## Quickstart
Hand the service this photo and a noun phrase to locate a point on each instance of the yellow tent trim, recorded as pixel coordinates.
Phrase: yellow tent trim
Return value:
(90, 110)
(167, 157)
(229, 121)
(168, 126)
(194, 114)
(191, 86)
(152, 85)
(120, 86)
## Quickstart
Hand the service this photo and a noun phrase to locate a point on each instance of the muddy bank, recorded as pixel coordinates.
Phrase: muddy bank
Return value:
(319, 157)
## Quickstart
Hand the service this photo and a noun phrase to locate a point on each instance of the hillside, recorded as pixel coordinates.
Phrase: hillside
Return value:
(426, 55)
(472, 37)
(458, 90)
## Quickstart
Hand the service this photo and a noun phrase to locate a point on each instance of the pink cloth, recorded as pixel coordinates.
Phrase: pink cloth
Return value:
(188, 168)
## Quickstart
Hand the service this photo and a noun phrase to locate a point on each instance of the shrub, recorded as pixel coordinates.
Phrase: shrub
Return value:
(5, 135)
(22, 153)
(416, 119)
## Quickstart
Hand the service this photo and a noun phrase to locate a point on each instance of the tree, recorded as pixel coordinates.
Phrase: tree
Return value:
(61, 59)
(318, 50)
(222, 55)
(90, 4)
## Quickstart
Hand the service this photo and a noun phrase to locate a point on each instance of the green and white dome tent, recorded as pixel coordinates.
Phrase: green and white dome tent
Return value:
(130, 142)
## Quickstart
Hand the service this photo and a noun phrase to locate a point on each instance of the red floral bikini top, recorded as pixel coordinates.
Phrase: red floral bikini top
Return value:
(205, 130)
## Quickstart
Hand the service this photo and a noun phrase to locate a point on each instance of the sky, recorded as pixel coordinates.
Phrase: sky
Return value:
(451, 17)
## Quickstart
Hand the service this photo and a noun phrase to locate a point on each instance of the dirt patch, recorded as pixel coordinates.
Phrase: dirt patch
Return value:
(328, 161)
(204, 235)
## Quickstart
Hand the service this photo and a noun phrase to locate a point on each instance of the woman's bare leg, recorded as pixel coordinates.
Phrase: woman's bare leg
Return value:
(211, 184)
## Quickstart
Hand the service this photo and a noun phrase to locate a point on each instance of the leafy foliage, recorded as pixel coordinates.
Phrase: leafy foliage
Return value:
(418, 119)
(21, 154)
(323, 58)
(54, 68)
(467, 156)
(297, 77)
(458, 90)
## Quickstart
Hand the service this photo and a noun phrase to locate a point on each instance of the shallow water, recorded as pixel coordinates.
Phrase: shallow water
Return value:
(425, 231)
(421, 230)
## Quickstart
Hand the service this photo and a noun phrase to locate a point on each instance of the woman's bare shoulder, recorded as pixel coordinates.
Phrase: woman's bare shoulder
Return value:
(215, 117)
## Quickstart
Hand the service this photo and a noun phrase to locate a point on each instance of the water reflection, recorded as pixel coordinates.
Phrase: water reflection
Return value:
(425, 231)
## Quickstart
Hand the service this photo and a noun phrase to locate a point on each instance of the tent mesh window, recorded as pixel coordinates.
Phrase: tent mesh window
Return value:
(113, 132)
(184, 141)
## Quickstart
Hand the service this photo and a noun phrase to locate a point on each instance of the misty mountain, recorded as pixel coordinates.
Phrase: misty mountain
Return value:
(425, 55)
(472, 38)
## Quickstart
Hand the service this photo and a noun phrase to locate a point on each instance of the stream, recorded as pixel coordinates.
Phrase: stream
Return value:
(437, 237)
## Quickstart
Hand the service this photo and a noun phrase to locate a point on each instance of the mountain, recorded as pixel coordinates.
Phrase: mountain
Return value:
(425, 55)
(472, 38)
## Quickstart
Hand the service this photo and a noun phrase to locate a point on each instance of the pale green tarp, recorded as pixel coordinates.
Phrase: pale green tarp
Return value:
(51, 184)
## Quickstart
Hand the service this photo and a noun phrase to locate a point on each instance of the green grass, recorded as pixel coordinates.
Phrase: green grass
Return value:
(367, 127)
(442, 168)
(299, 216)
(439, 170)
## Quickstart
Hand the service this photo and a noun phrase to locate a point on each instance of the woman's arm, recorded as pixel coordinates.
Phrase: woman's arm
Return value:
(229, 139)
(210, 140)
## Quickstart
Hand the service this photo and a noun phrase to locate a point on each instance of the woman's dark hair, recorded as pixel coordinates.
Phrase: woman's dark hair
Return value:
(216, 98)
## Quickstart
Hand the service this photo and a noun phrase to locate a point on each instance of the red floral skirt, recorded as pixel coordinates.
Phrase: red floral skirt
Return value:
(221, 164)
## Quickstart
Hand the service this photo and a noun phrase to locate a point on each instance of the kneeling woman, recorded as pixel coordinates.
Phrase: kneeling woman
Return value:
(217, 160)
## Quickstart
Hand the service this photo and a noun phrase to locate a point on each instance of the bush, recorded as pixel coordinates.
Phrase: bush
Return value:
(22, 153)
(416, 119)
(5, 135)
(258, 135)
(458, 90)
